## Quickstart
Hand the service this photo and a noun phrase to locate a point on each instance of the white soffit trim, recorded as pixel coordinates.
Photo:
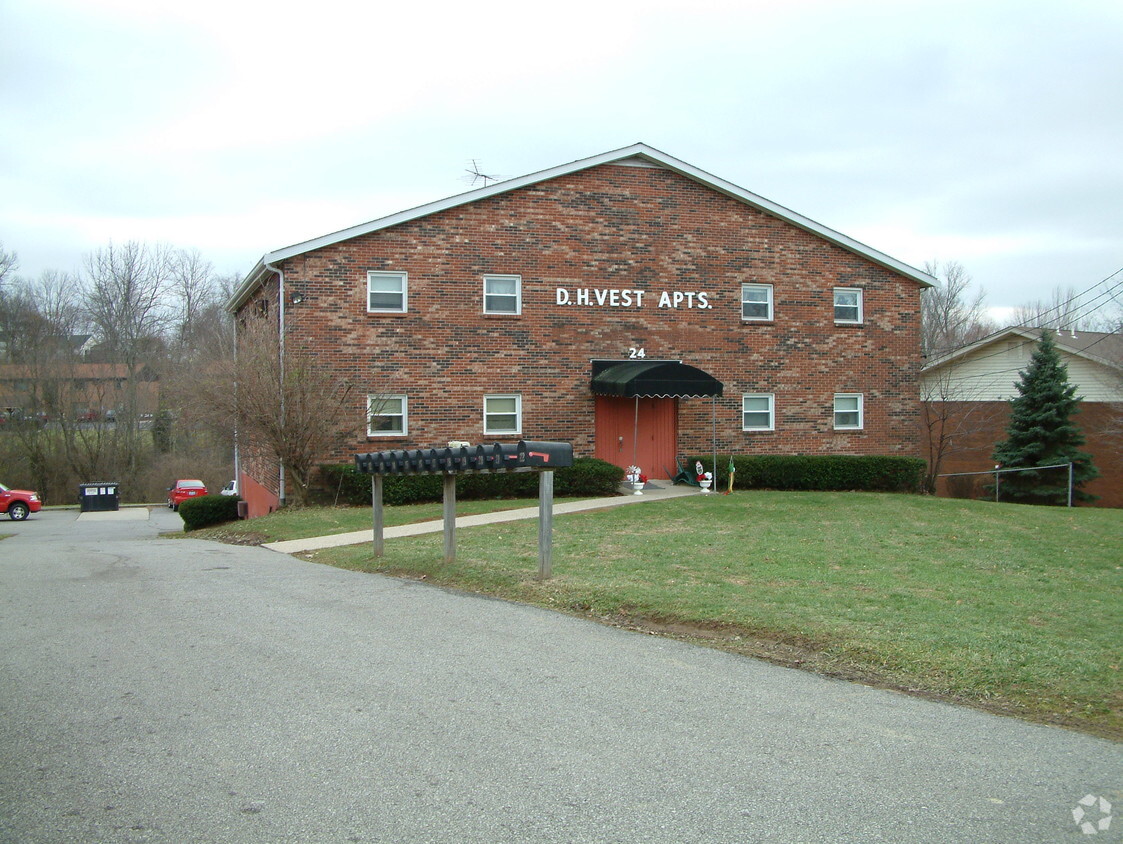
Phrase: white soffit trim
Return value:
(636, 155)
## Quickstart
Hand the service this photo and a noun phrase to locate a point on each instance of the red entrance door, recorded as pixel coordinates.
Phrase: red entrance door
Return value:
(647, 440)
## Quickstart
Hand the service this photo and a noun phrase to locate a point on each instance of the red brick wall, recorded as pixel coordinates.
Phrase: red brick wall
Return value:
(260, 480)
(259, 500)
(624, 228)
(979, 426)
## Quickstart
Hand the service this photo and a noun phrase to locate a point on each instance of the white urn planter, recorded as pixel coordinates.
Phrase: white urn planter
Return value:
(637, 487)
(705, 485)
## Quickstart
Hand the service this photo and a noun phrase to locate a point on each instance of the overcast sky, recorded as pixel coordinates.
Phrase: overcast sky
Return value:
(988, 133)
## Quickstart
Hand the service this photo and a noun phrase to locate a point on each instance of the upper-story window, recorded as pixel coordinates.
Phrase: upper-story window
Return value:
(848, 411)
(756, 302)
(848, 305)
(386, 292)
(502, 294)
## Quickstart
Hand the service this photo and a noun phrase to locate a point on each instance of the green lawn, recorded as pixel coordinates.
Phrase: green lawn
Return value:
(1012, 608)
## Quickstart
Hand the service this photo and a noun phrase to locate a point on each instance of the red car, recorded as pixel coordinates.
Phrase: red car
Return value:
(19, 503)
(184, 490)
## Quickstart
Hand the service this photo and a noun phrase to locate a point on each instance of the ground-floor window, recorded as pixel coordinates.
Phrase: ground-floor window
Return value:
(503, 414)
(848, 411)
(757, 412)
(387, 416)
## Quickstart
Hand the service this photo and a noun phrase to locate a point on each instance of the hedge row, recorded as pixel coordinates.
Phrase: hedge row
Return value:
(873, 473)
(209, 510)
(344, 484)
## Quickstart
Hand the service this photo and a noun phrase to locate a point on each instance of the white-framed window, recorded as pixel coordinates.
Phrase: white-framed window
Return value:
(386, 292)
(758, 412)
(848, 305)
(503, 414)
(848, 411)
(387, 416)
(756, 302)
(503, 294)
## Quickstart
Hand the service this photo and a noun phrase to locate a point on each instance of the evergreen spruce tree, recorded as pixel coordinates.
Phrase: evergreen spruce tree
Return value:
(1041, 433)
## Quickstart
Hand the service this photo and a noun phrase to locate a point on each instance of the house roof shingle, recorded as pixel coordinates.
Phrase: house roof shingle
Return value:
(1100, 347)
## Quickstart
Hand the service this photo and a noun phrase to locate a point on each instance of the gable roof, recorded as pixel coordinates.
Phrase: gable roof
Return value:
(637, 154)
(1096, 346)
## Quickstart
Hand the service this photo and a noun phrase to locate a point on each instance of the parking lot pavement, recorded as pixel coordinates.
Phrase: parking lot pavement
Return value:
(126, 523)
(125, 514)
(180, 690)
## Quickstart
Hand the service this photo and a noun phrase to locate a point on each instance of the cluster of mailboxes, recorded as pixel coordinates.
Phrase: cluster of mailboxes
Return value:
(498, 457)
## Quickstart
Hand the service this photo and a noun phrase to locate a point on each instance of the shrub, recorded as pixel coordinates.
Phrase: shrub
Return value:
(209, 510)
(588, 476)
(871, 473)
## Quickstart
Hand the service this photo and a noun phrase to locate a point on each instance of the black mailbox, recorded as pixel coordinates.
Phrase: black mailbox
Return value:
(548, 455)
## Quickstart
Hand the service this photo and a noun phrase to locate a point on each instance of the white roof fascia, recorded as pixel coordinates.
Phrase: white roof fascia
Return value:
(978, 344)
(635, 150)
(1031, 334)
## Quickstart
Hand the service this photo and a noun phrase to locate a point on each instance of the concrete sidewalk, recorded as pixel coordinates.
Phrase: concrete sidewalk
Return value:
(651, 493)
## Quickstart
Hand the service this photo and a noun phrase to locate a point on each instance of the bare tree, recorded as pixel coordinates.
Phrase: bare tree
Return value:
(287, 408)
(59, 302)
(951, 314)
(1112, 320)
(951, 420)
(193, 286)
(9, 264)
(1062, 311)
(126, 297)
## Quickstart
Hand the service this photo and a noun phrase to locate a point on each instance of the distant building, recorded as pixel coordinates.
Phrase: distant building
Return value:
(84, 392)
(968, 391)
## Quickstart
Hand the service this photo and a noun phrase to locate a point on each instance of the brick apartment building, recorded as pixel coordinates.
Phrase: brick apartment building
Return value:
(628, 303)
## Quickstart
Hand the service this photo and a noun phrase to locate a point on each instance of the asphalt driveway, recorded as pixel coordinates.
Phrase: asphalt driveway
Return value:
(178, 690)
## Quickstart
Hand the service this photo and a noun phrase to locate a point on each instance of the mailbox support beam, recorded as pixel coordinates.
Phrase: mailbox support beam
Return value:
(450, 518)
(377, 516)
(545, 525)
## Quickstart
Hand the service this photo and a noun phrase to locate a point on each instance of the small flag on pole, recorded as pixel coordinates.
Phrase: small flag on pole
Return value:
(732, 471)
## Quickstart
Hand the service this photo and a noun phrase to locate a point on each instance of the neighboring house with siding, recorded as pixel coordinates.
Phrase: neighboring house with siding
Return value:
(628, 303)
(967, 393)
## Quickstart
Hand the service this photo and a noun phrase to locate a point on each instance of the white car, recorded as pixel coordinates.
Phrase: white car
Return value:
(231, 488)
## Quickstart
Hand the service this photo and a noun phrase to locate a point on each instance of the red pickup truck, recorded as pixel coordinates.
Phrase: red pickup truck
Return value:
(19, 503)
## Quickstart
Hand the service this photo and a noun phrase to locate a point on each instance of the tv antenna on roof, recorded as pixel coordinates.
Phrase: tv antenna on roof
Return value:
(475, 175)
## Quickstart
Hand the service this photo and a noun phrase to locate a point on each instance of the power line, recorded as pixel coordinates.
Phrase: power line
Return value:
(1108, 292)
(1042, 316)
(1060, 307)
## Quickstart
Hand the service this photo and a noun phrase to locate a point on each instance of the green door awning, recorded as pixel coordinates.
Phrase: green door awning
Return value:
(652, 379)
